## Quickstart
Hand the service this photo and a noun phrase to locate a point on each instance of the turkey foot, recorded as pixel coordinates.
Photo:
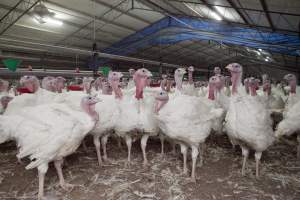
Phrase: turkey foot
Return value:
(62, 183)
(66, 186)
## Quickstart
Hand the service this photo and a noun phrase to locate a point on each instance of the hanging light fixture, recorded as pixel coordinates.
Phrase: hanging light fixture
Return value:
(42, 15)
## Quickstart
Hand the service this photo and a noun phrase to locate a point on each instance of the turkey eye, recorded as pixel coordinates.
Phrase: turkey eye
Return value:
(161, 93)
(90, 97)
(143, 70)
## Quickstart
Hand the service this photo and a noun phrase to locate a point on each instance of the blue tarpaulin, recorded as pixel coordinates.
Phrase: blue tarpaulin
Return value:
(170, 30)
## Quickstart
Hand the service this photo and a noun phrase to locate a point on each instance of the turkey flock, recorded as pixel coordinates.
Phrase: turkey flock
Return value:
(49, 121)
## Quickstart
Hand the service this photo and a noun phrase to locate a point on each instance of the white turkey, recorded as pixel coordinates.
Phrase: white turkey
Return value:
(137, 114)
(87, 84)
(110, 112)
(188, 120)
(4, 100)
(38, 96)
(60, 84)
(248, 121)
(189, 88)
(290, 123)
(293, 97)
(163, 82)
(131, 83)
(49, 132)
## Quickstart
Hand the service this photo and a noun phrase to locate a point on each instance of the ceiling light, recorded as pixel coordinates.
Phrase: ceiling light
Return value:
(258, 53)
(216, 16)
(260, 50)
(52, 21)
(48, 20)
(266, 60)
(42, 15)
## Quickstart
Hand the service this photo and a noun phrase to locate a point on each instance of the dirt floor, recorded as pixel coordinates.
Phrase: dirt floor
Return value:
(219, 178)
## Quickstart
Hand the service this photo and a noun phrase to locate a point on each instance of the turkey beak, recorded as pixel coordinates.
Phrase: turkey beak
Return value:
(97, 100)
(229, 67)
(120, 75)
(149, 74)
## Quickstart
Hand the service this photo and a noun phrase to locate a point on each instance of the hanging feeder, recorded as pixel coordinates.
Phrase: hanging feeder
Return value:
(11, 64)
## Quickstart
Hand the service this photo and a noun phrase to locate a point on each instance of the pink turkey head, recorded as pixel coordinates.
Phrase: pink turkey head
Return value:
(60, 83)
(267, 87)
(265, 77)
(178, 76)
(191, 69)
(87, 84)
(161, 99)
(5, 100)
(114, 81)
(106, 88)
(88, 105)
(253, 86)
(236, 71)
(98, 83)
(4, 85)
(131, 72)
(220, 82)
(212, 84)
(217, 70)
(31, 83)
(292, 80)
(140, 78)
(49, 83)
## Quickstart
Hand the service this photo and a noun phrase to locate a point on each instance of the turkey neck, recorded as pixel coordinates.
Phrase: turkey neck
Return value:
(159, 104)
(293, 86)
(140, 84)
(211, 91)
(87, 87)
(163, 84)
(267, 89)
(116, 89)
(253, 90)
(90, 110)
(236, 81)
(178, 81)
(190, 76)
(4, 86)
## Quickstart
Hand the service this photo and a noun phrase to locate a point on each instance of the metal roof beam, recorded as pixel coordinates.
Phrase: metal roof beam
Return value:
(234, 6)
(265, 8)
(91, 16)
(121, 11)
(212, 8)
(88, 53)
(65, 22)
(86, 26)
(12, 16)
(238, 8)
(10, 11)
(154, 6)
